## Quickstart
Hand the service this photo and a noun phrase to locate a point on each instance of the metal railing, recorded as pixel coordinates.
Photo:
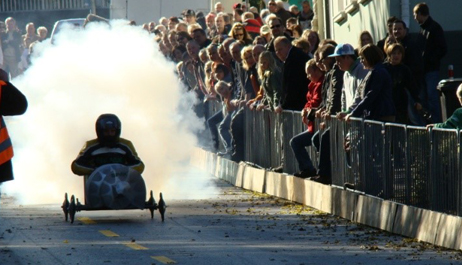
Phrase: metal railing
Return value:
(405, 164)
(42, 5)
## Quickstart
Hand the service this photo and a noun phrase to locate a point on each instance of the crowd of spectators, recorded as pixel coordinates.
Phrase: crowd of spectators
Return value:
(16, 47)
(271, 59)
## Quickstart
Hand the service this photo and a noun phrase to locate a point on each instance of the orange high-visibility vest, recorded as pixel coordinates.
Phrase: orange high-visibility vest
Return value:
(6, 148)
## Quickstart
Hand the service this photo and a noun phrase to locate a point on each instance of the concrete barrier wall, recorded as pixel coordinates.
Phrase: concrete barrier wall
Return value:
(425, 225)
(278, 185)
(375, 212)
(253, 179)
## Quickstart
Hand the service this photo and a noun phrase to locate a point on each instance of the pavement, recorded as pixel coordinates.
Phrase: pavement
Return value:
(233, 226)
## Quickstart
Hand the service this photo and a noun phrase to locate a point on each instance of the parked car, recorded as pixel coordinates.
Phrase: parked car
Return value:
(76, 22)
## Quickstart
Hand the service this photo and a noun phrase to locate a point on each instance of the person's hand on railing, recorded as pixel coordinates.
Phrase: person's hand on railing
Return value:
(278, 109)
(322, 125)
(347, 118)
(260, 107)
(319, 113)
(341, 115)
(326, 116)
(304, 112)
(250, 103)
(429, 126)
(210, 97)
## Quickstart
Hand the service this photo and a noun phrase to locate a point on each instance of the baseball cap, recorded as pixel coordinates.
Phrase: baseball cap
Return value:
(343, 49)
(189, 12)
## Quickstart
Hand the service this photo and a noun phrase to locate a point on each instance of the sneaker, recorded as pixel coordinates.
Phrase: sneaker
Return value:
(306, 173)
(225, 155)
(321, 179)
(278, 169)
(348, 185)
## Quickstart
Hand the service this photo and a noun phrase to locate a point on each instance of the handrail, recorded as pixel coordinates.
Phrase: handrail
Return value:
(405, 164)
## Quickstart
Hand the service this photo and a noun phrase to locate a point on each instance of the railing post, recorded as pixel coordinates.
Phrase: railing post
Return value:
(93, 7)
(362, 167)
(459, 177)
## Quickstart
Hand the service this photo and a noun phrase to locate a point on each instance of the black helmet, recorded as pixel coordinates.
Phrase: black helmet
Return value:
(107, 122)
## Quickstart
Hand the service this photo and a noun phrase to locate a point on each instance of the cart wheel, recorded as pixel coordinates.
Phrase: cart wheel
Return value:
(162, 207)
(72, 209)
(65, 207)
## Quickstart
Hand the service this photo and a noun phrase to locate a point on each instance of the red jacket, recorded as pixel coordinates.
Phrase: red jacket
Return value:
(313, 99)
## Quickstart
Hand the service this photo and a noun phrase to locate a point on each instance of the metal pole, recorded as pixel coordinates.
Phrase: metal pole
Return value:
(93, 7)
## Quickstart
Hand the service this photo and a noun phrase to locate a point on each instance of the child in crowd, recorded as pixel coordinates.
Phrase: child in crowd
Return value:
(302, 140)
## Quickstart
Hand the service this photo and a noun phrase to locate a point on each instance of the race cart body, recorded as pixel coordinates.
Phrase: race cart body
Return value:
(113, 187)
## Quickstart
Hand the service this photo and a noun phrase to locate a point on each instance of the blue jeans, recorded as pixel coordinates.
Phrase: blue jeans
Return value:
(434, 106)
(238, 135)
(212, 124)
(298, 144)
(323, 148)
(225, 133)
(414, 116)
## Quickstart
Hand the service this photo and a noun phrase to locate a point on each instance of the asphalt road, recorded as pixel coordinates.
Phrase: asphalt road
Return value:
(233, 226)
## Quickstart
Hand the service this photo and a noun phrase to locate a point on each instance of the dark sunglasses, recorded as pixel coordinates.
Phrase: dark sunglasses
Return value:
(275, 26)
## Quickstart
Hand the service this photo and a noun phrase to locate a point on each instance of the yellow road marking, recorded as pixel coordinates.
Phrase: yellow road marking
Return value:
(135, 246)
(86, 220)
(163, 259)
(108, 233)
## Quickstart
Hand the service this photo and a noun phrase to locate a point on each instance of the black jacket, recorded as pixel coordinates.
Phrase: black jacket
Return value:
(294, 81)
(433, 43)
(12, 102)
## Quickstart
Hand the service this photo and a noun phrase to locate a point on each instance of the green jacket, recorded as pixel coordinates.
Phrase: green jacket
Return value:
(454, 122)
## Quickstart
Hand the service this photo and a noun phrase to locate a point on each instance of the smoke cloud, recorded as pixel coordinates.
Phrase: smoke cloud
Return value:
(89, 72)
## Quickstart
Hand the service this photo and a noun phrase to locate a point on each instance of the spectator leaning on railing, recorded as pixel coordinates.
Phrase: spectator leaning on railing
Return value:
(455, 121)
(294, 81)
(332, 90)
(375, 92)
(302, 140)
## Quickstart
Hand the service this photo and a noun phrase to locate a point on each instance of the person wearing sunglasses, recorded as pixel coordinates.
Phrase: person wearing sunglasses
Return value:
(277, 30)
(239, 33)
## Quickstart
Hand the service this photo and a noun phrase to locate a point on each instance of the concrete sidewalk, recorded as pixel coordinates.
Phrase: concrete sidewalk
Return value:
(424, 225)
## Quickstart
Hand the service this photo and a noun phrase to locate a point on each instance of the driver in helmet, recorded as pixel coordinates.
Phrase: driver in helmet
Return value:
(108, 148)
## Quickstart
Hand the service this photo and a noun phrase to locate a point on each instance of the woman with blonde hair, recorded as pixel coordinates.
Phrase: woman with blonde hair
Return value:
(271, 81)
(365, 37)
(313, 38)
(239, 33)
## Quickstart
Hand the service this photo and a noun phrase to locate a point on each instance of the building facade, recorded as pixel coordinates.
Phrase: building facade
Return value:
(344, 20)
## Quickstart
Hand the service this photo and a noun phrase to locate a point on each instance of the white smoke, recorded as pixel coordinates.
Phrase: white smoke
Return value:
(84, 74)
